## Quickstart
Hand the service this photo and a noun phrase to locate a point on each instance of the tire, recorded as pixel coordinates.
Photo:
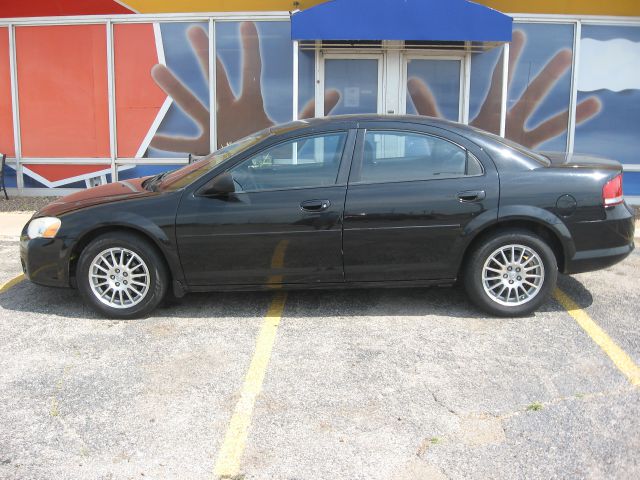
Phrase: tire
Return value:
(518, 260)
(128, 265)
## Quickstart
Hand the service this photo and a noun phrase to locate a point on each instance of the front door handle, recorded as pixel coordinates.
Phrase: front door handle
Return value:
(315, 205)
(472, 195)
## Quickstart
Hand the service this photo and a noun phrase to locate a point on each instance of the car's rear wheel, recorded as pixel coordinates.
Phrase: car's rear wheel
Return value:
(122, 275)
(511, 273)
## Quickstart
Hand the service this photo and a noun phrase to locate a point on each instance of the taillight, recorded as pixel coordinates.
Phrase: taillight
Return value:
(612, 192)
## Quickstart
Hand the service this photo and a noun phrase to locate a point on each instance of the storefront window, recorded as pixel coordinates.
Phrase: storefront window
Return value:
(140, 103)
(6, 115)
(254, 77)
(485, 96)
(608, 112)
(540, 89)
(126, 172)
(306, 83)
(183, 76)
(433, 87)
(65, 175)
(62, 80)
(63, 101)
(354, 81)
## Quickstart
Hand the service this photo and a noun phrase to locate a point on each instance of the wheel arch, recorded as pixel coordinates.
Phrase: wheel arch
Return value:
(555, 234)
(90, 235)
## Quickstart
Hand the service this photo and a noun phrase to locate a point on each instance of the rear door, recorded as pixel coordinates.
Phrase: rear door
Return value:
(412, 191)
(283, 224)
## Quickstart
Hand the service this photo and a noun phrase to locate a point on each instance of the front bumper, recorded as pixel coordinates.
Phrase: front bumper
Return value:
(45, 261)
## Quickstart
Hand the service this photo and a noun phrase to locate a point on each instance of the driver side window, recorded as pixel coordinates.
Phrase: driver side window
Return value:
(311, 161)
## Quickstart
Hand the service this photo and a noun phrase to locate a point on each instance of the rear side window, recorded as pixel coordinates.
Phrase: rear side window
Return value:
(395, 156)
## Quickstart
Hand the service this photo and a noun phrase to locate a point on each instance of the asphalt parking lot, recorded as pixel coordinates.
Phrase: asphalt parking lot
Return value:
(358, 384)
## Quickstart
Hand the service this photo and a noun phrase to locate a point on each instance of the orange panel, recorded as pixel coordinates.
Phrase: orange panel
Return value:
(62, 84)
(6, 116)
(567, 7)
(138, 98)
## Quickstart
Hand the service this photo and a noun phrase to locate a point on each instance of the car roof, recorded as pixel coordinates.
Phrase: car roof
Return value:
(357, 118)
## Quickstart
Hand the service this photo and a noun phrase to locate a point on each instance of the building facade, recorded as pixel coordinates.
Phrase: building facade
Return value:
(93, 92)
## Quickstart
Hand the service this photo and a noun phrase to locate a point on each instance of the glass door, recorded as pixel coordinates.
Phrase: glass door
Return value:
(391, 82)
(352, 83)
(433, 86)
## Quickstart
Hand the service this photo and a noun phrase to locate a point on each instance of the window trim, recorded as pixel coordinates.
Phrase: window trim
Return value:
(359, 157)
(345, 132)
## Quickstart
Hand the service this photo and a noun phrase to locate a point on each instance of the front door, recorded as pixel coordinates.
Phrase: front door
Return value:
(391, 82)
(283, 224)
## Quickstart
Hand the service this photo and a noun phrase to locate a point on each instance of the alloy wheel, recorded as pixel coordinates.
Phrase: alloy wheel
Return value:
(513, 275)
(119, 277)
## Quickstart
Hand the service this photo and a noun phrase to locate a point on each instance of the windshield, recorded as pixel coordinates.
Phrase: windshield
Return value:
(189, 173)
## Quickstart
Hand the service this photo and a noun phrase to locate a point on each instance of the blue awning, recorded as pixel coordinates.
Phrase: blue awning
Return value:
(435, 20)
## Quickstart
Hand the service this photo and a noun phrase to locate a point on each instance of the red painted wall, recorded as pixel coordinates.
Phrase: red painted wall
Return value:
(62, 80)
(46, 8)
(6, 116)
(138, 98)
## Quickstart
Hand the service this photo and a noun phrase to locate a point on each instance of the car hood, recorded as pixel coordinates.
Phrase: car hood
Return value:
(577, 160)
(111, 192)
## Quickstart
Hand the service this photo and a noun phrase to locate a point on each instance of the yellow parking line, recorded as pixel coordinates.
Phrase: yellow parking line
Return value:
(228, 461)
(619, 357)
(12, 283)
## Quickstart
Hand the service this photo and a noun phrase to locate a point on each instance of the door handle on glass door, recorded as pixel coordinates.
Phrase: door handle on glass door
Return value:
(472, 195)
(315, 205)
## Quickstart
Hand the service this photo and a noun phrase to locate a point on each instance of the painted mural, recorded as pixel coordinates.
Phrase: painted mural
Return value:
(161, 87)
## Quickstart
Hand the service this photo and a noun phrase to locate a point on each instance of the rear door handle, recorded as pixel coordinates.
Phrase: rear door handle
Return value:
(472, 195)
(315, 205)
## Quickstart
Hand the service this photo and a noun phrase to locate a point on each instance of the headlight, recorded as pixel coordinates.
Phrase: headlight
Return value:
(45, 227)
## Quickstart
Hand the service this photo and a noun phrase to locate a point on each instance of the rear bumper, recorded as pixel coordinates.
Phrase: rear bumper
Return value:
(590, 260)
(45, 261)
(600, 244)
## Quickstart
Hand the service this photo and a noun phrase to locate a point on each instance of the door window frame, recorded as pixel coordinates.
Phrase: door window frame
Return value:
(342, 176)
(358, 153)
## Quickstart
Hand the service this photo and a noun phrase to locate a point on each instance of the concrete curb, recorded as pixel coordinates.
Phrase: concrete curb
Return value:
(11, 224)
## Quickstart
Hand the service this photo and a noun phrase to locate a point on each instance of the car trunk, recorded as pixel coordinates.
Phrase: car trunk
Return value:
(576, 160)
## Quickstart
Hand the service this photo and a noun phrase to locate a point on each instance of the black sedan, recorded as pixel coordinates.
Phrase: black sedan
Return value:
(350, 201)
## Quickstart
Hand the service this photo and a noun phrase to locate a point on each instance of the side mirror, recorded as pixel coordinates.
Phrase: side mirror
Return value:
(221, 185)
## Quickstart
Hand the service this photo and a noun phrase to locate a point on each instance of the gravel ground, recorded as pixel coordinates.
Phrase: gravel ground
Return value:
(397, 384)
(24, 204)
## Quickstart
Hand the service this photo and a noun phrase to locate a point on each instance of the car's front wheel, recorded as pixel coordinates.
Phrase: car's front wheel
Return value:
(511, 273)
(121, 275)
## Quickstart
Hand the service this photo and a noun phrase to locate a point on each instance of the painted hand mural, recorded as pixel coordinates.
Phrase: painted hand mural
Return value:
(237, 115)
(519, 114)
